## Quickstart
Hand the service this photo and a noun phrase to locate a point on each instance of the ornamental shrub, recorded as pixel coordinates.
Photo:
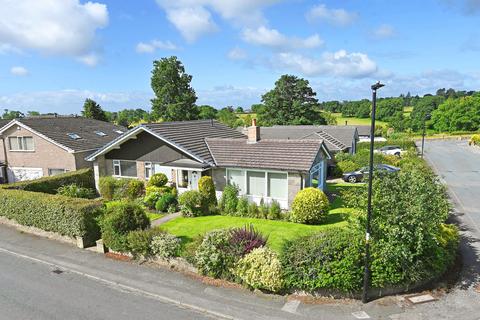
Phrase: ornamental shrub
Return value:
(135, 189)
(252, 210)
(275, 211)
(107, 187)
(260, 269)
(346, 166)
(119, 219)
(327, 260)
(242, 207)
(206, 187)
(121, 188)
(139, 242)
(157, 180)
(165, 246)
(153, 194)
(212, 257)
(263, 209)
(243, 240)
(229, 200)
(74, 191)
(475, 140)
(310, 206)
(190, 203)
(165, 201)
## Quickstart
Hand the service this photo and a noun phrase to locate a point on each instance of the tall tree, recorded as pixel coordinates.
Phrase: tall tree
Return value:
(174, 97)
(12, 114)
(291, 102)
(227, 116)
(207, 112)
(93, 110)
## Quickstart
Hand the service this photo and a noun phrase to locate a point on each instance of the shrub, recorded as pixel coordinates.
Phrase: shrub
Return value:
(135, 189)
(310, 206)
(121, 189)
(327, 260)
(212, 258)
(67, 216)
(206, 188)
(346, 166)
(74, 191)
(157, 180)
(82, 178)
(275, 211)
(475, 140)
(153, 194)
(252, 210)
(165, 201)
(107, 187)
(190, 203)
(243, 240)
(263, 209)
(139, 242)
(229, 200)
(260, 269)
(119, 219)
(165, 246)
(242, 207)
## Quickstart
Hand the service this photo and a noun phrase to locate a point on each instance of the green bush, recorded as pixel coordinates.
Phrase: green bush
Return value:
(310, 206)
(135, 189)
(229, 200)
(153, 194)
(206, 187)
(260, 269)
(165, 246)
(67, 216)
(107, 187)
(119, 219)
(190, 203)
(275, 211)
(139, 242)
(326, 260)
(263, 210)
(405, 144)
(82, 178)
(346, 166)
(211, 258)
(121, 188)
(475, 140)
(242, 207)
(74, 191)
(157, 180)
(165, 201)
(252, 210)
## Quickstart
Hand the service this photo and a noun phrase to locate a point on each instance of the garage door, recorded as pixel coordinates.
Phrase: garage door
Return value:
(22, 174)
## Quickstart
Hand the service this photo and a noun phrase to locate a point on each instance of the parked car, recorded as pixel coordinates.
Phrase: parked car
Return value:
(361, 174)
(391, 150)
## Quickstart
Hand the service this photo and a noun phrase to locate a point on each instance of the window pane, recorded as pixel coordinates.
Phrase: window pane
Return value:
(129, 168)
(277, 185)
(13, 143)
(28, 143)
(237, 178)
(256, 183)
(54, 172)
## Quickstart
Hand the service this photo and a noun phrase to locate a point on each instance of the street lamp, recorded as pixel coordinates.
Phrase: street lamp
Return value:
(427, 117)
(366, 276)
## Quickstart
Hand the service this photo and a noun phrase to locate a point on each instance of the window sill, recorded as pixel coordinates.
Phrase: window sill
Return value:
(25, 151)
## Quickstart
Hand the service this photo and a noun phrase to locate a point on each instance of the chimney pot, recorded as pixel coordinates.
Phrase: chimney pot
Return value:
(253, 132)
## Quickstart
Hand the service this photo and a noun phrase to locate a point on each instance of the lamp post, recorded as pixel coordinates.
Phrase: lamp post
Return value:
(427, 117)
(366, 276)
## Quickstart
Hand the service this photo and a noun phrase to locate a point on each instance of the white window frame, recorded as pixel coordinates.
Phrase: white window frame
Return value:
(149, 165)
(266, 182)
(117, 163)
(21, 143)
(51, 169)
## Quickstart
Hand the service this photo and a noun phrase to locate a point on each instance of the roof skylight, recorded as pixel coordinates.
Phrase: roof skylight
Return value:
(74, 136)
(118, 131)
(100, 133)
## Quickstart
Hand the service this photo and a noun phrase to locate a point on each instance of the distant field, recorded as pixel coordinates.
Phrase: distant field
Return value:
(407, 111)
(354, 121)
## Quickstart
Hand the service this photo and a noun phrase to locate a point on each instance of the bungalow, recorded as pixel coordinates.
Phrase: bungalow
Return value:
(268, 169)
(34, 147)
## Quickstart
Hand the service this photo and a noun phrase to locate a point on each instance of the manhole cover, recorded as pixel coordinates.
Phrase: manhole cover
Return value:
(57, 271)
(360, 315)
(420, 298)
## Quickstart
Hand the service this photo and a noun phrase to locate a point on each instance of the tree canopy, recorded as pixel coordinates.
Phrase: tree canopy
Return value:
(461, 114)
(93, 110)
(12, 114)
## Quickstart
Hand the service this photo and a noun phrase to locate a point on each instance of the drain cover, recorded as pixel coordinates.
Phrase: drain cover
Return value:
(360, 315)
(420, 298)
(57, 271)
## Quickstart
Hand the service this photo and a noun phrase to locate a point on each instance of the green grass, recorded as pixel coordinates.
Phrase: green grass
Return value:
(154, 216)
(278, 232)
(351, 121)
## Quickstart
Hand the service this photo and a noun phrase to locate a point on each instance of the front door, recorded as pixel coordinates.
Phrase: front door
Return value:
(193, 177)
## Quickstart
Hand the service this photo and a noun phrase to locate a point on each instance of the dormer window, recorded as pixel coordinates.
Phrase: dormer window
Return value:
(100, 133)
(74, 136)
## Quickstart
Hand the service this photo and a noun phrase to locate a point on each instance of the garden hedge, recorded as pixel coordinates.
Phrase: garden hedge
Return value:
(64, 215)
(82, 178)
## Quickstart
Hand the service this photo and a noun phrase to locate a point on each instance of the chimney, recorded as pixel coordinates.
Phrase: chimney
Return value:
(253, 132)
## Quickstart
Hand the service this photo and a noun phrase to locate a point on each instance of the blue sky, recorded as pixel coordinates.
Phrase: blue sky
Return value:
(56, 53)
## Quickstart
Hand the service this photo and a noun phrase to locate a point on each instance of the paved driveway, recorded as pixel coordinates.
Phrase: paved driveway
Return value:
(458, 165)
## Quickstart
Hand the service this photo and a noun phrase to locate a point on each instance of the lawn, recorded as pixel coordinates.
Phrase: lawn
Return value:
(278, 232)
(355, 121)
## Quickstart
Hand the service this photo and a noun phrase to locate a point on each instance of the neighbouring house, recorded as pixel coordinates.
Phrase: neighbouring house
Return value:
(35, 147)
(268, 169)
(364, 134)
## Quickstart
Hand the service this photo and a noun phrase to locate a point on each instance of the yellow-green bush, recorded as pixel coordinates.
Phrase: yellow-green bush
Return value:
(157, 180)
(475, 140)
(310, 206)
(260, 269)
(206, 187)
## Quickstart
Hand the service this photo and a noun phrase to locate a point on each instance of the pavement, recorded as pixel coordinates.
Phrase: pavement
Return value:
(166, 218)
(46, 279)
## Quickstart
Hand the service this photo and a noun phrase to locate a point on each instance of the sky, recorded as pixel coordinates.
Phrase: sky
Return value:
(56, 53)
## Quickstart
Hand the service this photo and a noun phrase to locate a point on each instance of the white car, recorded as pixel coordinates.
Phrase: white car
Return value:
(391, 150)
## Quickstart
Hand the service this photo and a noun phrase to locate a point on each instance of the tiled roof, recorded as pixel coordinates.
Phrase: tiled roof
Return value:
(190, 135)
(363, 130)
(3, 122)
(283, 155)
(58, 129)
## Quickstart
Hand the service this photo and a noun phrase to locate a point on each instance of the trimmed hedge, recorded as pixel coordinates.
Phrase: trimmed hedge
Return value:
(82, 178)
(405, 144)
(64, 215)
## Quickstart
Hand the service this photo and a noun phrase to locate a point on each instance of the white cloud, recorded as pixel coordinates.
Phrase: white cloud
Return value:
(89, 59)
(384, 31)
(273, 38)
(337, 64)
(338, 17)
(193, 18)
(222, 96)
(150, 47)
(60, 27)
(18, 71)
(237, 54)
